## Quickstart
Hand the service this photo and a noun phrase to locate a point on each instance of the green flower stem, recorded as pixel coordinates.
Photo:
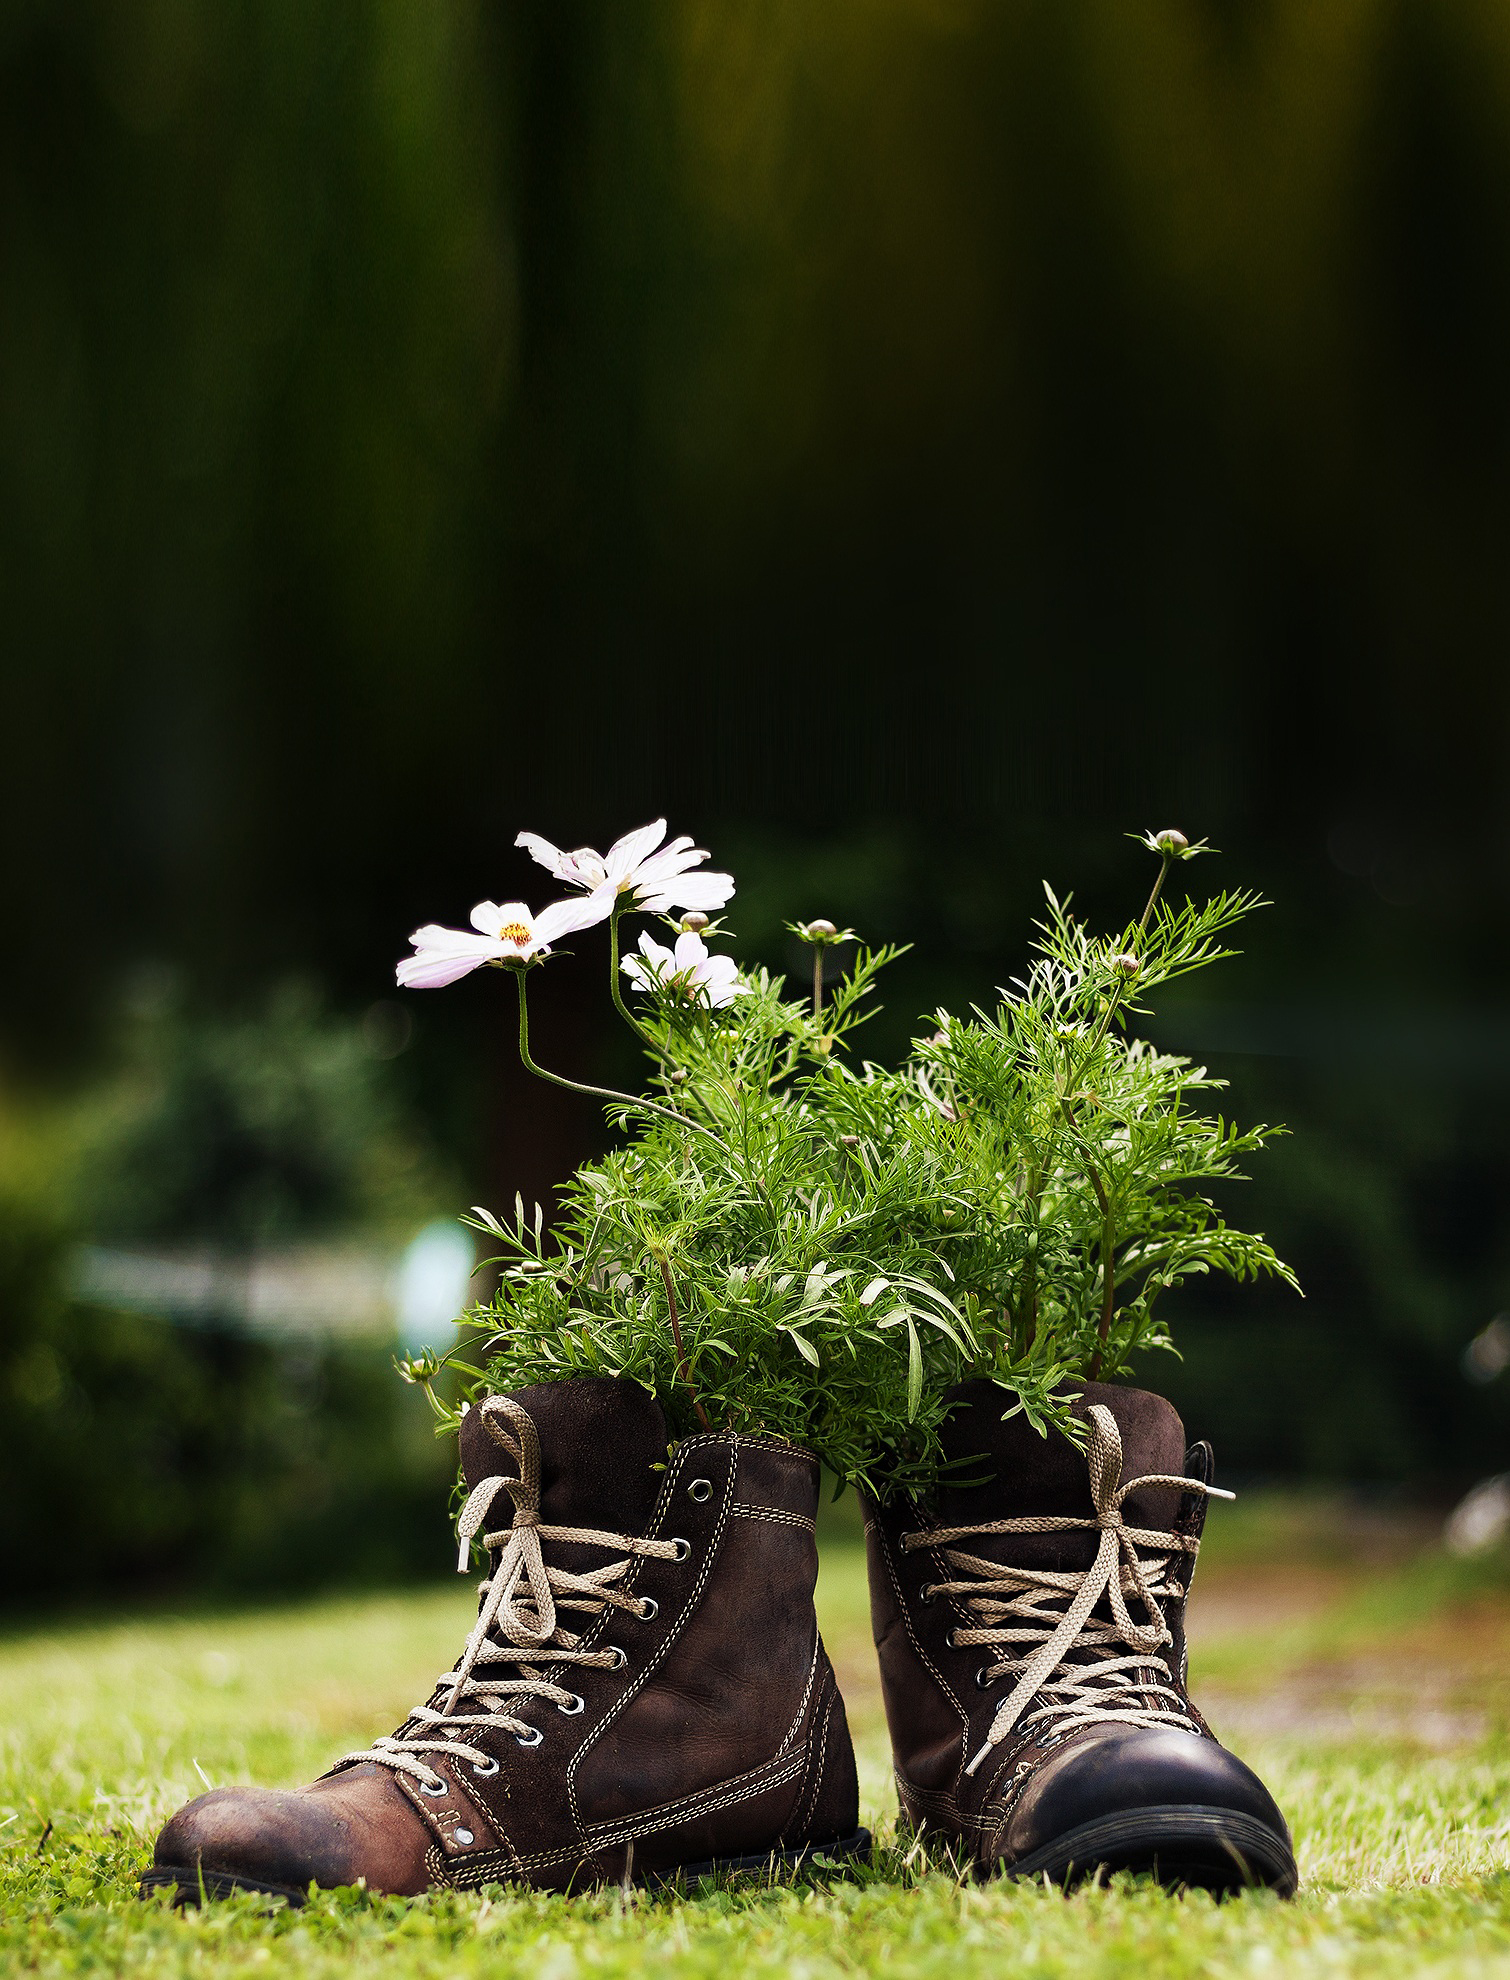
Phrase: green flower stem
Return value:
(614, 989)
(1029, 1300)
(817, 979)
(1108, 1257)
(1067, 1108)
(1166, 860)
(676, 1338)
(594, 1092)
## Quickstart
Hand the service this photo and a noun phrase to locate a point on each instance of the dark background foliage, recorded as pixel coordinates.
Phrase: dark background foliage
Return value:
(911, 444)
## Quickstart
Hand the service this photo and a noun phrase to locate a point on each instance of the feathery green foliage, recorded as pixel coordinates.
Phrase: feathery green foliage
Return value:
(794, 1240)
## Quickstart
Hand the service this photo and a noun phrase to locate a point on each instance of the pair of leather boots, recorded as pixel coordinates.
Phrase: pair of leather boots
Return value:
(645, 1698)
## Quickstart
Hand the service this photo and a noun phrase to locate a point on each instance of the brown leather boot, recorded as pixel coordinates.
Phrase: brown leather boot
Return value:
(644, 1695)
(1031, 1631)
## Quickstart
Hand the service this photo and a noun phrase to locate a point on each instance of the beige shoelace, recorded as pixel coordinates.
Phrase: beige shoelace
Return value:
(1019, 1606)
(519, 1637)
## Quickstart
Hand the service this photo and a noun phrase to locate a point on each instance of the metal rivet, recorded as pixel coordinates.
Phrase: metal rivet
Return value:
(464, 1835)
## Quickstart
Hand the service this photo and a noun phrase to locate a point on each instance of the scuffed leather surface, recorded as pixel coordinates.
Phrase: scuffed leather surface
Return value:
(602, 1438)
(723, 1698)
(920, 1675)
(723, 1734)
(349, 1828)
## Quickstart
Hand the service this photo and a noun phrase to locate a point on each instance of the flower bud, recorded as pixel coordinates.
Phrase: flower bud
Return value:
(821, 931)
(1171, 843)
(694, 923)
(1126, 965)
(850, 1140)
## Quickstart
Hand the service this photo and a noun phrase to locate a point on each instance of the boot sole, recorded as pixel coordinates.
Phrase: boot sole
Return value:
(193, 1886)
(841, 1856)
(1214, 1849)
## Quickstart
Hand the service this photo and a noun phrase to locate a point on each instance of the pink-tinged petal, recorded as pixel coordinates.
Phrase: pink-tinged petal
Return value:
(432, 969)
(489, 916)
(577, 911)
(721, 981)
(655, 952)
(668, 862)
(625, 854)
(453, 941)
(704, 893)
(691, 951)
(433, 936)
(584, 868)
(550, 857)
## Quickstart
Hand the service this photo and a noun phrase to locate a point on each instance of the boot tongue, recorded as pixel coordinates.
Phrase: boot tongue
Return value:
(599, 1437)
(1035, 1477)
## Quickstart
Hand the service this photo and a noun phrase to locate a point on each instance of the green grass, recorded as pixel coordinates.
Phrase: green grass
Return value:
(1404, 1846)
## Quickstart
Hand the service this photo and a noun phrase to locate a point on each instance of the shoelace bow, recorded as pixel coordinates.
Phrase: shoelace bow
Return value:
(519, 1625)
(1016, 1605)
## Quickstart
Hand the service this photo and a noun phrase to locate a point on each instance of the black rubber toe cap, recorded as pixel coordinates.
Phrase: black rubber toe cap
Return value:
(1126, 1779)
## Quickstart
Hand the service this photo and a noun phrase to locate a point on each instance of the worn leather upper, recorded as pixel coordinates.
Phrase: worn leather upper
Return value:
(723, 1733)
(1037, 1783)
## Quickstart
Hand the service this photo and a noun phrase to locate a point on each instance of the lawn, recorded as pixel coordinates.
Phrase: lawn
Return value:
(1364, 1676)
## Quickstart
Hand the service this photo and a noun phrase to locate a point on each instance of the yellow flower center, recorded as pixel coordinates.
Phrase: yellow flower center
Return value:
(515, 932)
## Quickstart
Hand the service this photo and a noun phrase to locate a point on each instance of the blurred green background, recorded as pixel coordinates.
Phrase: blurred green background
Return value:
(909, 442)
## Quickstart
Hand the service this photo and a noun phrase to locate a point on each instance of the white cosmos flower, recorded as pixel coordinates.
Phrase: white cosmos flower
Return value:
(509, 933)
(657, 880)
(687, 968)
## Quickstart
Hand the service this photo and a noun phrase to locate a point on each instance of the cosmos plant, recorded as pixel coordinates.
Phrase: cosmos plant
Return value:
(791, 1239)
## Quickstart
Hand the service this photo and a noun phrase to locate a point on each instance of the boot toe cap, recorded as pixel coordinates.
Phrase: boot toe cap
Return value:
(1136, 1796)
(357, 1830)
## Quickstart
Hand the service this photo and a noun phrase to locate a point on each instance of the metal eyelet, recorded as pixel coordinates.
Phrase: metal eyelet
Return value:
(700, 1489)
(683, 1549)
(928, 1595)
(520, 1740)
(571, 1711)
(649, 1610)
(485, 1773)
(440, 1788)
(951, 1639)
(983, 1678)
(620, 1657)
